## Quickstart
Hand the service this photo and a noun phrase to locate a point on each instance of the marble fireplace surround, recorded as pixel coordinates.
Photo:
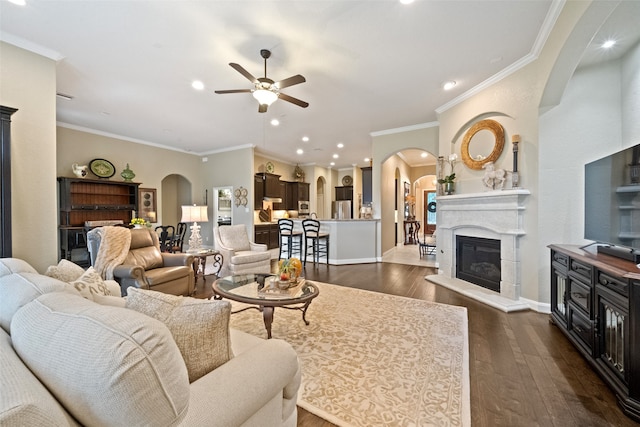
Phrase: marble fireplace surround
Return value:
(491, 215)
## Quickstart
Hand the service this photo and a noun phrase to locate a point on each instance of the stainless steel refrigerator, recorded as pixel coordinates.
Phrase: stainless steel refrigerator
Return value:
(341, 209)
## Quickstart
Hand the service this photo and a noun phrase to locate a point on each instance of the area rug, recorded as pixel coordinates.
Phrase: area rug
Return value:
(371, 359)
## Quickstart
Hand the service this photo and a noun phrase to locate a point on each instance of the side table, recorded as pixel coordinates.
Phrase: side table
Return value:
(200, 262)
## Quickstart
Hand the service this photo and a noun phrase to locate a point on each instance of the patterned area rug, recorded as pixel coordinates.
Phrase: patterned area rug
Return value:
(371, 359)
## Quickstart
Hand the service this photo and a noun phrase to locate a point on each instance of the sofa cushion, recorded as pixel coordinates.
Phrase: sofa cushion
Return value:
(65, 271)
(106, 365)
(14, 265)
(248, 257)
(199, 327)
(24, 401)
(167, 274)
(19, 289)
(235, 237)
(148, 258)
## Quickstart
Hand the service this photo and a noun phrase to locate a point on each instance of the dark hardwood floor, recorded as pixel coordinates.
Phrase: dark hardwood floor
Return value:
(523, 371)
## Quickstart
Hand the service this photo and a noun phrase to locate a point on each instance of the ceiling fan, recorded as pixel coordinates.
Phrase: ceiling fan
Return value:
(265, 90)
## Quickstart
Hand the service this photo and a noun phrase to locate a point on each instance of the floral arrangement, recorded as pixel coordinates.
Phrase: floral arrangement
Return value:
(140, 221)
(449, 179)
(289, 269)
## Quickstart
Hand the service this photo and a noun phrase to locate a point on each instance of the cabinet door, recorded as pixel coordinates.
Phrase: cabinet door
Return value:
(258, 192)
(262, 234)
(272, 185)
(613, 333)
(282, 193)
(559, 283)
(303, 192)
(274, 236)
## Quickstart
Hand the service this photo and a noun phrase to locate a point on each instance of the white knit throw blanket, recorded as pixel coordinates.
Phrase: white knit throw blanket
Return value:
(114, 248)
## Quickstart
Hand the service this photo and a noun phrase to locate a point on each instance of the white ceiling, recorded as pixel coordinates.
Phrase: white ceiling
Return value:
(370, 66)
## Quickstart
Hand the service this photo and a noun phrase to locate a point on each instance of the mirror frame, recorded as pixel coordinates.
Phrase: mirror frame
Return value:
(498, 132)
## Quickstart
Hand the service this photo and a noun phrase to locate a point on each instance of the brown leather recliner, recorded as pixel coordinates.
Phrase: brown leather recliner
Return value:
(146, 267)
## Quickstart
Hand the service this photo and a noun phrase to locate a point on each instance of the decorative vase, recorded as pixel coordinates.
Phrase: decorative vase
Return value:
(449, 188)
(127, 174)
(137, 225)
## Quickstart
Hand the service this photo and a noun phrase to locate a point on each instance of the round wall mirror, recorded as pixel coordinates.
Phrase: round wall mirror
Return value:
(483, 143)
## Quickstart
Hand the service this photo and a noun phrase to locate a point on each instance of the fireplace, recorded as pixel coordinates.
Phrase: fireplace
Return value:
(491, 215)
(478, 261)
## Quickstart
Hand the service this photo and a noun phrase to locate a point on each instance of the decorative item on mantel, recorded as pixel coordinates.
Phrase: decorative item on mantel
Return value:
(448, 182)
(80, 171)
(127, 174)
(241, 196)
(515, 178)
(493, 178)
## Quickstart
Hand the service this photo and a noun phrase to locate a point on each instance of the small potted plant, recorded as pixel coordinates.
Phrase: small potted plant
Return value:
(449, 180)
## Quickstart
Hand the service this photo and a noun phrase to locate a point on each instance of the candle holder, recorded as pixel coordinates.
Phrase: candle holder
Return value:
(515, 176)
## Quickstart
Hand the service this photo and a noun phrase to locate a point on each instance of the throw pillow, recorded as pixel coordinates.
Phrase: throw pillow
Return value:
(109, 366)
(90, 283)
(65, 271)
(199, 327)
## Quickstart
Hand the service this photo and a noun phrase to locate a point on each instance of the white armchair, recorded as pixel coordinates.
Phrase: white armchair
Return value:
(240, 255)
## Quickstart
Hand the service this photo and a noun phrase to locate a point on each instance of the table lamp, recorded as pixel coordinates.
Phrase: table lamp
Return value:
(194, 214)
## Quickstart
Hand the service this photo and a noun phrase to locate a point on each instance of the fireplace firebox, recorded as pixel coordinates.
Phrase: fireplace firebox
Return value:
(478, 261)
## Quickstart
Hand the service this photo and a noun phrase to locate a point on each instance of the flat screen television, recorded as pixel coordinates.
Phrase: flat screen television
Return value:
(612, 203)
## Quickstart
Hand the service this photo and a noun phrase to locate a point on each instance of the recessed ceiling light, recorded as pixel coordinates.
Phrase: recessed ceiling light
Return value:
(406, 1)
(335, 156)
(18, 2)
(423, 154)
(340, 145)
(300, 151)
(366, 159)
(197, 85)
(608, 44)
(332, 164)
(275, 122)
(449, 85)
(305, 138)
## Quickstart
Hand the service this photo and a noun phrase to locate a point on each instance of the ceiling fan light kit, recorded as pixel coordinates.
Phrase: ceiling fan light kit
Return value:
(265, 90)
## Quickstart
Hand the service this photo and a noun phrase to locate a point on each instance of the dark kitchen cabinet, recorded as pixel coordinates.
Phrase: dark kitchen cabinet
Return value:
(595, 302)
(258, 191)
(297, 191)
(267, 234)
(344, 193)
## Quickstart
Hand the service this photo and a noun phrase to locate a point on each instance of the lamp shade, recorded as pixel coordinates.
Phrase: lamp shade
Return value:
(194, 214)
(265, 97)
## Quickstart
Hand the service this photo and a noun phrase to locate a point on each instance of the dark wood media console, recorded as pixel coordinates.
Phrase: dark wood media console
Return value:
(595, 301)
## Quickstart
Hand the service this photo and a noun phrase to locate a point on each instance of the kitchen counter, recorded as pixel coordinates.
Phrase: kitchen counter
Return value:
(351, 241)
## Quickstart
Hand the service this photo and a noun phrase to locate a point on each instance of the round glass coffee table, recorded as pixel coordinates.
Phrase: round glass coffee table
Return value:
(262, 291)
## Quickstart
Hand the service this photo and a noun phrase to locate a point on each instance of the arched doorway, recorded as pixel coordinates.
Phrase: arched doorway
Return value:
(175, 191)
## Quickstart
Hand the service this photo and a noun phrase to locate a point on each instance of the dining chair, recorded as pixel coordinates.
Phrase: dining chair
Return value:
(315, 240)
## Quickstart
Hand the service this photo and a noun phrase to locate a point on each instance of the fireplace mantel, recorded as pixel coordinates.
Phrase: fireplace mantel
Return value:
(496, 214)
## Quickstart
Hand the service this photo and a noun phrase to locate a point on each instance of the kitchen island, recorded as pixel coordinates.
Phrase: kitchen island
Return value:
(351, 241)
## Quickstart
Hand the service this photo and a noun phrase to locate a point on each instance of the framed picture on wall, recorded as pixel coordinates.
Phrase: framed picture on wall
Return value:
(147, 205)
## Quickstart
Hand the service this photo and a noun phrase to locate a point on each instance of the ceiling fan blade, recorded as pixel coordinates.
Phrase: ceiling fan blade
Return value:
(294, 80)
(293, 100)
(233, 91)
(262, 108)
(244, 72)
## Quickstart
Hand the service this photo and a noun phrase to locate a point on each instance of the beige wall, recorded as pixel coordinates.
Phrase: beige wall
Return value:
(385, 164)
(29, 84)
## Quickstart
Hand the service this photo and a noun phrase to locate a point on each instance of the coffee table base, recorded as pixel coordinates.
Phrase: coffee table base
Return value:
(267, 313)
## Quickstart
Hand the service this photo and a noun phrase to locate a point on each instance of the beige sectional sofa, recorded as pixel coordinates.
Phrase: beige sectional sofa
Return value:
(69, 360)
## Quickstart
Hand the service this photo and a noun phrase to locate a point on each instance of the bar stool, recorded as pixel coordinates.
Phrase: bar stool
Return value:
(289, 238)
(316, 240)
